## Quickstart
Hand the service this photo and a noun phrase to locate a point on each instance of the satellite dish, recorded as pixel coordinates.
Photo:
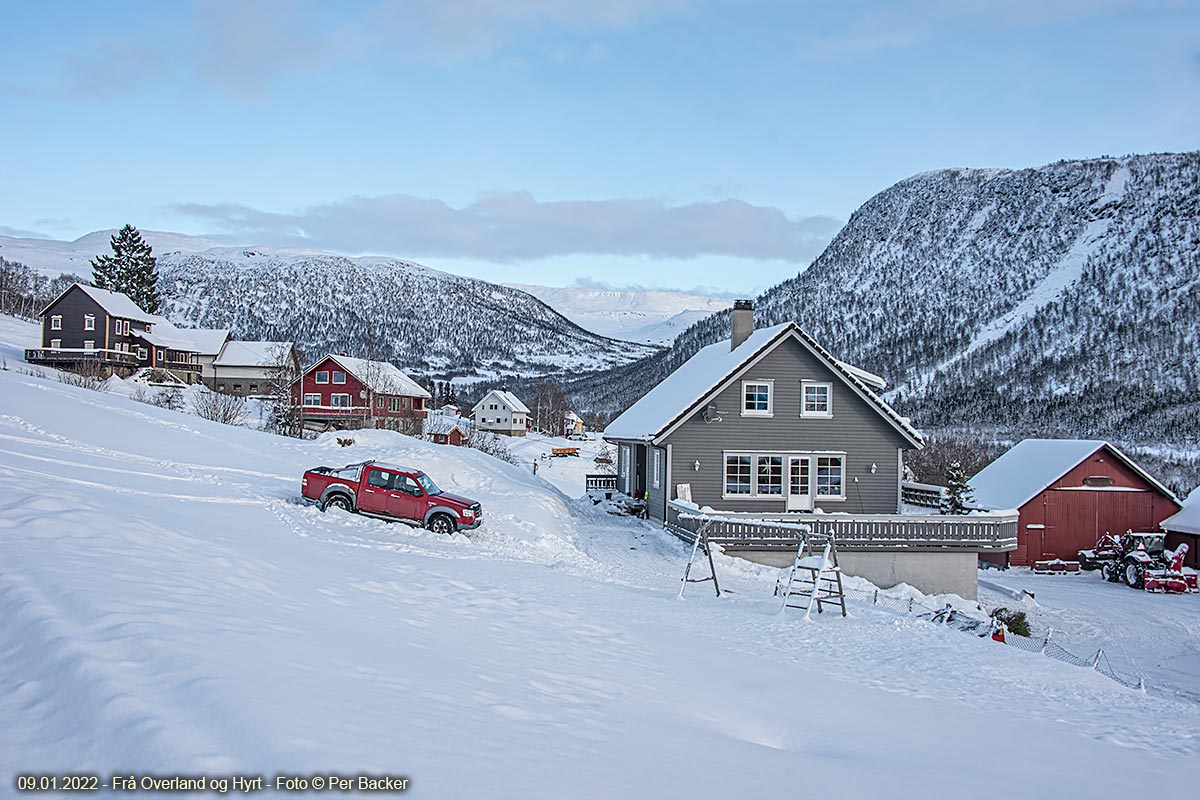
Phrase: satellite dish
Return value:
(362, 395)
(710, 414)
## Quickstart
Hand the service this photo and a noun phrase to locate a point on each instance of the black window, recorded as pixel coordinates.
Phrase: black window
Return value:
(380, 479)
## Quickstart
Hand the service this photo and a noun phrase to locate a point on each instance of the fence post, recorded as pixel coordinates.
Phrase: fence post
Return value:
(875, 599)
(910, 602)
(1046, 641)
(1096, 660)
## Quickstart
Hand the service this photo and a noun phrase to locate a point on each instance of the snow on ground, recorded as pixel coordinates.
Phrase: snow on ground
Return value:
(1156, 636)
(166, 606)
(568, 474)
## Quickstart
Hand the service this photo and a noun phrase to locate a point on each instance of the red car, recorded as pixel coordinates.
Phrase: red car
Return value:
(390, 492)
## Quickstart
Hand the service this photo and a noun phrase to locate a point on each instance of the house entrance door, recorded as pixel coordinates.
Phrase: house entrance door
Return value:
(799, 496)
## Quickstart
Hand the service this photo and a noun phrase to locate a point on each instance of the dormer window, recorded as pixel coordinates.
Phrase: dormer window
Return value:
(89, 322)
(757, 398)
(816, 399)
(56, 322)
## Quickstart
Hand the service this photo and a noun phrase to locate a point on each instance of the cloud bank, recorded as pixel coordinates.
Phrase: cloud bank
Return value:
(514, 226)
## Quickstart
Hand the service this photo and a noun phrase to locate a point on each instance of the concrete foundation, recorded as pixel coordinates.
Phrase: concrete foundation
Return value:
(931, 573)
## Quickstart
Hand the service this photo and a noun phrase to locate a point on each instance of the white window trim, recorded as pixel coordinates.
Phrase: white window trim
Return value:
(657, 482)
(333, 376)
(89, 344)
(142, 354)
(811, 455)
(89, 322)
(340, 394)
(828, 413)
(56, 322)
(56, 344)
(318, 374)
(770, 384)
(310, 396)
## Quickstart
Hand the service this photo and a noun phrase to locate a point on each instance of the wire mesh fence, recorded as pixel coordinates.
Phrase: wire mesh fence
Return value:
(950, 617)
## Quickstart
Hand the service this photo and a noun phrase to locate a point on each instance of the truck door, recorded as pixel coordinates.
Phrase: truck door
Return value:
(374, 495)
(406, 500)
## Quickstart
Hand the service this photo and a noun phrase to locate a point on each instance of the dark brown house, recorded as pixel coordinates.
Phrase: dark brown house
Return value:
(92, 329)
(1069, 492)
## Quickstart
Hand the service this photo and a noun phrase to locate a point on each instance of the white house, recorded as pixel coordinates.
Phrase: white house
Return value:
(501, 412)
(209, 342)
(247, 368)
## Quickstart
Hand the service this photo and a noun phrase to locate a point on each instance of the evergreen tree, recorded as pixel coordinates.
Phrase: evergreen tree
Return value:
(958, 492)
(131, 269)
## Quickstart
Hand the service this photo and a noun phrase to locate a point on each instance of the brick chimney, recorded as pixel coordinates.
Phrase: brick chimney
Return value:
(743, 322)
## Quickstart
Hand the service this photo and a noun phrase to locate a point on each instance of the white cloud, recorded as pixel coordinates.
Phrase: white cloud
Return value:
(512, 226)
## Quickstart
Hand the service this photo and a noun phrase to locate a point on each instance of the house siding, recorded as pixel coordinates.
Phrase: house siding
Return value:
(856, 429)
(72, 307)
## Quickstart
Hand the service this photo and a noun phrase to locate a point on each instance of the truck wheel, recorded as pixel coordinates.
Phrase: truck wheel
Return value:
(340, 502)
(1134, 577)
(440, 523)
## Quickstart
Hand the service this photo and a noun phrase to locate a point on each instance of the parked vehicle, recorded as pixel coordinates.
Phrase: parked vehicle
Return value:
(390, 492)
(578, 437)
(1128, 557)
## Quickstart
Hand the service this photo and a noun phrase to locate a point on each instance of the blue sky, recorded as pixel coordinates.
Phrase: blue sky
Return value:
(671, 143)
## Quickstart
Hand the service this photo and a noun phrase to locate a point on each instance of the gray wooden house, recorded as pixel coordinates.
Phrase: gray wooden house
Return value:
(768, 422)
(770, 428)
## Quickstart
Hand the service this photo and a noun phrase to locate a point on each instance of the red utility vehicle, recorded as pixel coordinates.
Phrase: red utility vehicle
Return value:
(390, 492)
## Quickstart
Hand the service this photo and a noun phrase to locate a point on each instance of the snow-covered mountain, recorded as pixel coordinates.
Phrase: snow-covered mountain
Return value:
(1060, 300)
(652, 316)
(426, 320)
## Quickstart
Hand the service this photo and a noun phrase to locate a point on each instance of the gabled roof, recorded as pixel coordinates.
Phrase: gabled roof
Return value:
(209, 341)
(1187, 520)
(116, 304)
(250, 354)
(164, 334)
(441, 425)
(379, 376)
(507, 398)
(704, 375)
(1018, 476)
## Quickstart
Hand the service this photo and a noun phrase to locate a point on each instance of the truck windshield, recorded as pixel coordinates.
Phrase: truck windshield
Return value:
(428, 485)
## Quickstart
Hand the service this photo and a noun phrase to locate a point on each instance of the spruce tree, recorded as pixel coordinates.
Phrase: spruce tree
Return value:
(958, 492)
(131, 269)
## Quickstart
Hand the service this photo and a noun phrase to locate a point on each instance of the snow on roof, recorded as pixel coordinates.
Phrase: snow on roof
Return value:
(250, 354)
(872, 380)
(163, 333)
(1187, 520)
(118, 304)
(208, 340)
(1016, 477)
(442, 424)
(508, 398)
(572, 417)
(701, 374)
(381, 376)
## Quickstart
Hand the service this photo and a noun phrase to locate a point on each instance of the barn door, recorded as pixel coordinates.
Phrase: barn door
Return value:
(1071, 524)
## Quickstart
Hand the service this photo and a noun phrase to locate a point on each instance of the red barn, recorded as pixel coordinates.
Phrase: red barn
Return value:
(339, 392)
(1068, 493)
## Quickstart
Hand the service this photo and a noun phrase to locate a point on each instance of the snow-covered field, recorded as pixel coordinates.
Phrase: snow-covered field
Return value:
(167, 607)
(568, 474)
(1155, 636)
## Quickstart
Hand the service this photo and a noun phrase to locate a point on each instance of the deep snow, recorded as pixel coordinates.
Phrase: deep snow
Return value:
(166, 606)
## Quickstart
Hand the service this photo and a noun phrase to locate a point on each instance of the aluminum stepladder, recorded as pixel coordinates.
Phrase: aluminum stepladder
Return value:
(814, 580)
(701, 541)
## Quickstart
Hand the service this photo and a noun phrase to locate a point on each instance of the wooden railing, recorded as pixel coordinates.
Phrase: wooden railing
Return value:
(52, 355)
(925, 495)
(853, 532)
(601, 483)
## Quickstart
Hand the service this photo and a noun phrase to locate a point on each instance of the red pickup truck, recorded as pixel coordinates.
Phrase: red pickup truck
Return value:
(390, 492)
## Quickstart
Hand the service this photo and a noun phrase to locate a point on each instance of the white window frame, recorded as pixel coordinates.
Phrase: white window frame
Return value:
(317, 377)
(755, 412)
(89, 322)
(725, 476)
(56, 322)
(89, 344)
(56, 344)
(809, 456)
(804, 387)
(623, 458)
(142, 354)
(815, 476)
(657, 468)
(333, 400)
(310, 398)
(333, 376)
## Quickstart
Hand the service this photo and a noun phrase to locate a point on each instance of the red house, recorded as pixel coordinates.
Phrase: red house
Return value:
(339, 392)
(442, 429)
(1068, 493)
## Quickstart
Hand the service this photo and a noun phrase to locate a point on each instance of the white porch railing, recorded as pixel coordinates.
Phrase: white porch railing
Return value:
(975, 533)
